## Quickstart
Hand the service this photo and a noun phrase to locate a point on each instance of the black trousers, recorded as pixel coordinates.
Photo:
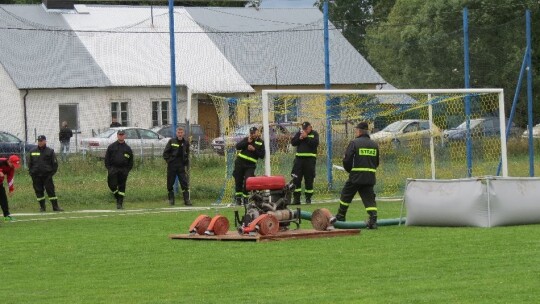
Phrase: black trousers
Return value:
(366, 194)
(116, 180)
(304, 168)
(180, 172)
(42, 184)
(4, 201)
(242, 170)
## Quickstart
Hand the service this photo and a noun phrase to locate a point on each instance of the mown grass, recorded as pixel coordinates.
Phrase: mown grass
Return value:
(128, 258)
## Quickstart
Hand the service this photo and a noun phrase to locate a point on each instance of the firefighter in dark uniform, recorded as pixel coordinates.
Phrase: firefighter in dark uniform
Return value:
(118, 161)
(249, 150)
(306, 142)
(176, 154)
(42, 166)
(361, 161)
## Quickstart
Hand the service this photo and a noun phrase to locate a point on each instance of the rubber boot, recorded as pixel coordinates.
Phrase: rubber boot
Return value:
(55, 206)
(308, 198)
(171, 198)
(296, 198)
(187, 201)
(42, 206)
(119, 202)
(341, 214)
(371, 222)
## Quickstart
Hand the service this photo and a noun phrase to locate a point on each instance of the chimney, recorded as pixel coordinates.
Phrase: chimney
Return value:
(58, 4)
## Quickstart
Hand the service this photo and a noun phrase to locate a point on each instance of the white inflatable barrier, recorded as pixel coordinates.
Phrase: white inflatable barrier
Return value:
(481, 202)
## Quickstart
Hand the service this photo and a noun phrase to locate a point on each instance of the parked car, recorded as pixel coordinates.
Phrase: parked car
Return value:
(140, 140)
(404, 132)
(479, 127)
(198, 138)
(280, 136)
(11, 144)
(535, 132)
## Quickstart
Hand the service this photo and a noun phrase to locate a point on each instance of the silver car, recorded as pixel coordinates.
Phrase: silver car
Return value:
(143, 142)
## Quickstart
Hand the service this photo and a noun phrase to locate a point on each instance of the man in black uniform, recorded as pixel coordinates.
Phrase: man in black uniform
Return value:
(42, 166)
(306, 142)
(118, 161)
(361, 161)
(176, 154)
(249, 149)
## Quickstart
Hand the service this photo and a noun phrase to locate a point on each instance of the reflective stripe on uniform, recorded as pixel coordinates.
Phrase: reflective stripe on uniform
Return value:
(371, 209)
(306, 154)
(311, 136)
(367, 152)
(298, 190)
(40, 198)
(258, 143)
(121, 193)
(53, 198)
(308, 191)
(239, 194)
(344, 204)
(175, 145)
(115, 191)
(126, 155)
(247, 157)
(35, 154)
(364, 170)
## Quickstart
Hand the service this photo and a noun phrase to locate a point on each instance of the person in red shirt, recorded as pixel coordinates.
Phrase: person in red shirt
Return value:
(7, 169)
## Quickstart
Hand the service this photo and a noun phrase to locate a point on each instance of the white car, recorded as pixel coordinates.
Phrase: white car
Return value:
(143, 142)
(535, 132)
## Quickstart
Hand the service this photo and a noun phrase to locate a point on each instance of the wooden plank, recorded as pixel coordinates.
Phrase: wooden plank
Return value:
(285, 235)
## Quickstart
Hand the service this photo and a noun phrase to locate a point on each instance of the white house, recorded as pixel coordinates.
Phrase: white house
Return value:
(87, 63)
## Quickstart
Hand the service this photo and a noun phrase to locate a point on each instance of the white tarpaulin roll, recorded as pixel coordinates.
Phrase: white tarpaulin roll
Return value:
(480, 202)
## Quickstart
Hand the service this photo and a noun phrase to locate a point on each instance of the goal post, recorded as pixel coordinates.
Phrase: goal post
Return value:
(433, 96)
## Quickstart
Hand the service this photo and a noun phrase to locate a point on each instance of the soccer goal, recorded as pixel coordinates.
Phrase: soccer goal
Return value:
(422, 133)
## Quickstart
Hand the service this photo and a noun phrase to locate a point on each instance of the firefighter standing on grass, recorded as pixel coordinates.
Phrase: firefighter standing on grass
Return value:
(306, 142)
(118, 161)
(176, 154)
(7, 170)
(42, 166)
(361, 161)
(249, 149)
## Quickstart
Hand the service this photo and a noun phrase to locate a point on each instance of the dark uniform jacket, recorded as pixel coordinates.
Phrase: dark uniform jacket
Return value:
(176, 152)
(42, 162)
(306, 147)
(250, 157)
(65, 134)
(119, 156)
(361, 160)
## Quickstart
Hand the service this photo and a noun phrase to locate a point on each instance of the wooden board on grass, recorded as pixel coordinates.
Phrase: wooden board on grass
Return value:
(285, 235)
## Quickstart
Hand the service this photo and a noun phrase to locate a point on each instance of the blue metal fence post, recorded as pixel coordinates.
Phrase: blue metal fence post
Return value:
(327, 87)
(173, 75)
(467, 86)
(529, 91)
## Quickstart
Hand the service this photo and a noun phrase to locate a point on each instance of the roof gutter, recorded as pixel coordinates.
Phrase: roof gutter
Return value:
(25, 117)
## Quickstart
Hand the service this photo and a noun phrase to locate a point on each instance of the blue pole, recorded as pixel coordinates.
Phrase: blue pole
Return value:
(514, 103)
(529, 92)
(467, 85)
(173, 76)
(328, 105)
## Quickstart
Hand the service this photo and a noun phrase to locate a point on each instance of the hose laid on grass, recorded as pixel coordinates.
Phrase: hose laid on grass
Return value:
(356, 225)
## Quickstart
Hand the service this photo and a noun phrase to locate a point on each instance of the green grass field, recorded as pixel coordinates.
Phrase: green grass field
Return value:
(123, 257)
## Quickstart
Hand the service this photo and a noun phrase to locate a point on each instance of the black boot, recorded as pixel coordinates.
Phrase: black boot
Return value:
(296, 198)
(42, 206)
(308, 198)
(55, 206)
(371, 222)
(171, 198)
(119, 202)
(187, 201)
(342, 212)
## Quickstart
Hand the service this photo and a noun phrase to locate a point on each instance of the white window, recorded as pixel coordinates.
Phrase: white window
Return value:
(160, 112)
(119, 110)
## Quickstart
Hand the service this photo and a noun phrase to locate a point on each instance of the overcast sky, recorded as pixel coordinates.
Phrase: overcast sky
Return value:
(287, 3)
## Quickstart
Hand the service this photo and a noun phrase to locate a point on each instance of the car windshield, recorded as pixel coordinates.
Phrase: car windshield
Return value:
(107, 133)
(474, 123)
(8, 138)
(395, 126)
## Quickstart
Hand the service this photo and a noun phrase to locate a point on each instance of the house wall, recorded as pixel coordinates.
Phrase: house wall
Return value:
(94, 109)
(11, 106)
